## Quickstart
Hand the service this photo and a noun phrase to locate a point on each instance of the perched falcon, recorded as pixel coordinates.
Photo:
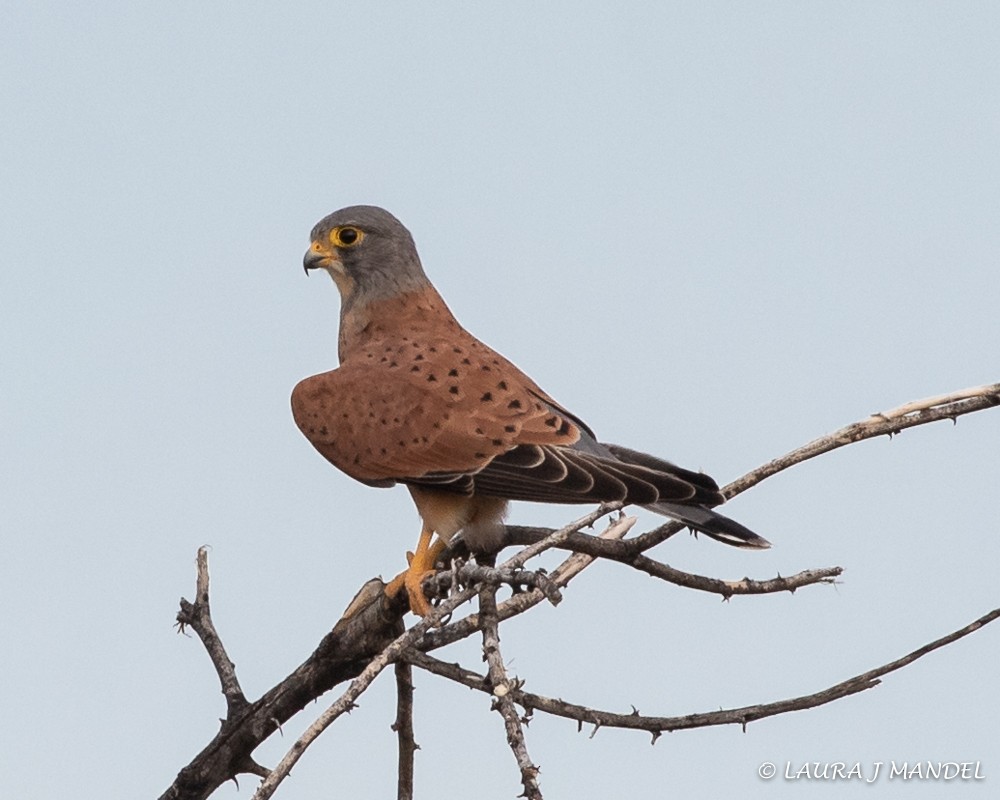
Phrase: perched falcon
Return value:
(419, 400)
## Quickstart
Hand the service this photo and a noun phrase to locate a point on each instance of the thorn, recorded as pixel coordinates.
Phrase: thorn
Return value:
(277, 726)
(635, 711)
(593, 733)
(656, 735)
(251, 767)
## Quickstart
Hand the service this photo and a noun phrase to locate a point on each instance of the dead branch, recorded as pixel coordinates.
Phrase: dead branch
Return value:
(198, 616)
(370, 635)
(403, 727)
(462, 574)
(888, 423)
(584, 715)
(501, 688)
(391, 652)
(368, 625)
(621, 551)
(520, 603)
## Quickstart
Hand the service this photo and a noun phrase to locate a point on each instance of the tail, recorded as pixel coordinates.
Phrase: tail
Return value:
(712, 523)
(695, 511)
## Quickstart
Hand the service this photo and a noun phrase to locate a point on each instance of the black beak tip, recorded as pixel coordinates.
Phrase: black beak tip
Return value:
(311, 260)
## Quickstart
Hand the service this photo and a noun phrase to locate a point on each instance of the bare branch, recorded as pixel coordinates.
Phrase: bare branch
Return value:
(198, 616)
(657, 725)
(738, 587)
(556, 538)
(920, 412)
(887, 423)
(345, 703)
(502, 688)
(520, 603)
(467, 574)
(370, 622)
(621, 552)
(403, 726)
(367, 638)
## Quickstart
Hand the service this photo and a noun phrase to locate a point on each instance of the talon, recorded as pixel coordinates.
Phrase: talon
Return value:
(412, 581)
(421, 564)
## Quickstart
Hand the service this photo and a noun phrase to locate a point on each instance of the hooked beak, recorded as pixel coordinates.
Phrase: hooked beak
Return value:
(313, 260)
(318, 257)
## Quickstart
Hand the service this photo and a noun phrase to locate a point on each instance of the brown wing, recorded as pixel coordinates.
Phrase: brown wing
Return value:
(431, 413)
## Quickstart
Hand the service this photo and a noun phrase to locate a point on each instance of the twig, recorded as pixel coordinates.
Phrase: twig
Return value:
(656, 725)
(743, 586)
(390, 653)
(501, 688)
(345, 703)
(467, 574)
(888, 423)
(403, 726)
(198, 616)
(369, 623)
(520, 603)
(620, 551)
(556, 538)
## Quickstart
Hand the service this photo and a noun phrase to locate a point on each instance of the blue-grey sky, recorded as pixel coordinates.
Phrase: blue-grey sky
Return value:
(713, 230)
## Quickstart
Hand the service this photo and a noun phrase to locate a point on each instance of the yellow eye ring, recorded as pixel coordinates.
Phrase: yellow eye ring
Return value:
(346, 236)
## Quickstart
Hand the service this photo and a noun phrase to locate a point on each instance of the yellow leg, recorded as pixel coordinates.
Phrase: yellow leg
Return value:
(421, 565)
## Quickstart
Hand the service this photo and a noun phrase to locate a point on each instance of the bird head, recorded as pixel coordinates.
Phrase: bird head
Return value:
(368, 252)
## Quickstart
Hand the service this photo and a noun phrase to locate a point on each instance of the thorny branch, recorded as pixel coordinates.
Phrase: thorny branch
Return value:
(198, 617)
(440, 584)
(584, 715)
(345, 703)
(369, 636)
(502, 688)
(403, 726)
(619, 551)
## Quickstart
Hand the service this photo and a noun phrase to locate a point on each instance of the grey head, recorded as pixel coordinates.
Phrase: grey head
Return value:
(368, 252)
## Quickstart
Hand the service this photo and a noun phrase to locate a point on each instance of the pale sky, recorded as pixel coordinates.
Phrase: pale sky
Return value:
(714, 231)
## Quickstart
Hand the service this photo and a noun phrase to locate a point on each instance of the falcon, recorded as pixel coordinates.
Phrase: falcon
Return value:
(420, 401)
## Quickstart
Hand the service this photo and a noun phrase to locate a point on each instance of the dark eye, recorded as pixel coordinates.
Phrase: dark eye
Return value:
(347, 236)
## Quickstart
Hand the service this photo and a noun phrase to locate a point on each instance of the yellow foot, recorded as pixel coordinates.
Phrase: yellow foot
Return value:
(421, 565)
(412, 581)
